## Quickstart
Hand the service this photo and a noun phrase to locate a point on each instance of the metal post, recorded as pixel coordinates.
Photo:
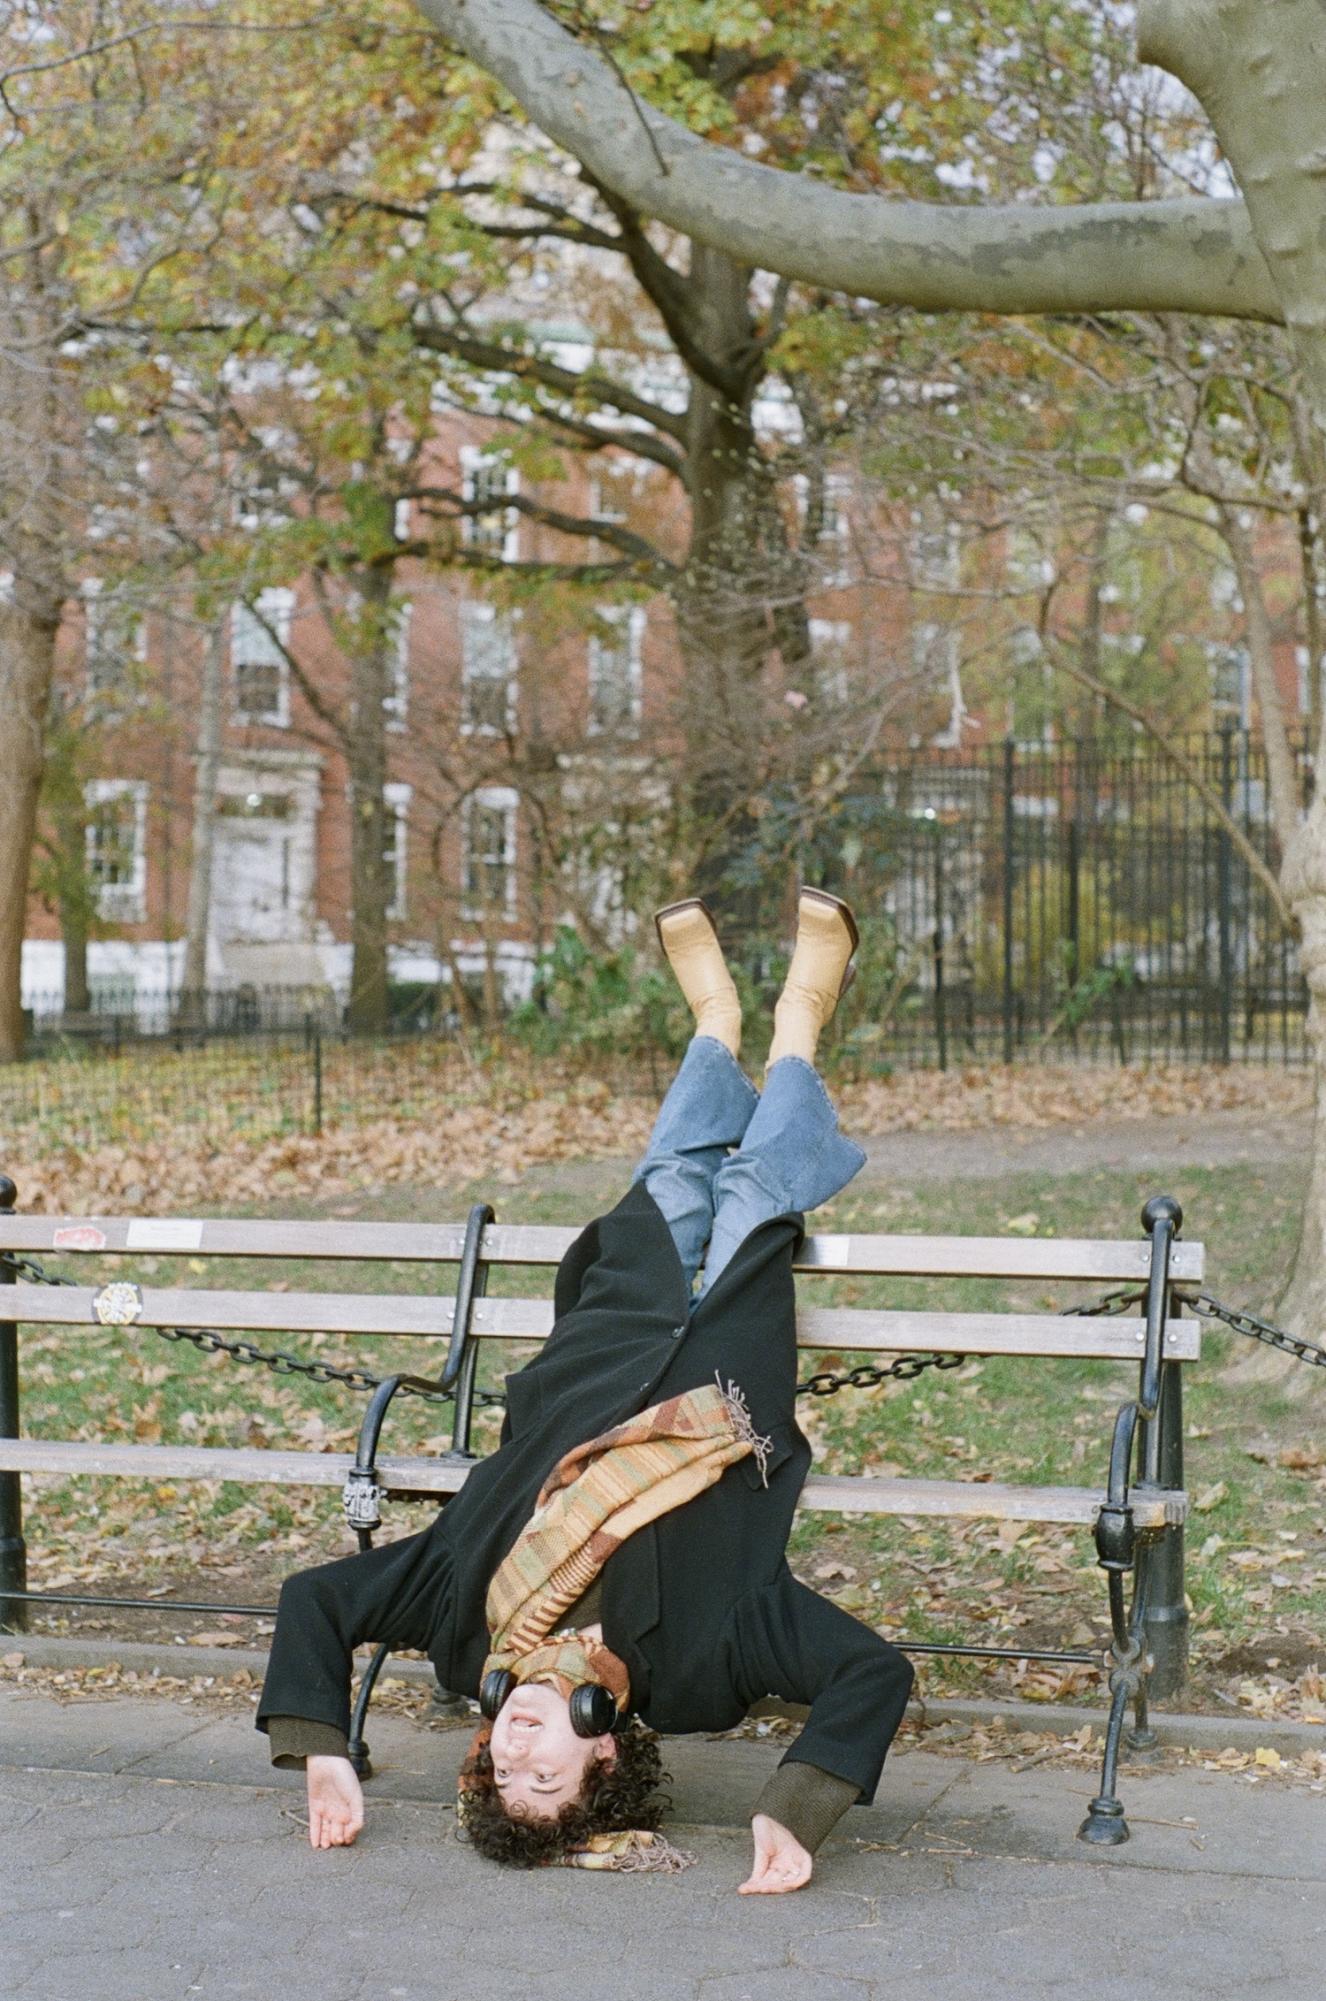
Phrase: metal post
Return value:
(941, 1012)
(1009, 827)
(1225, 892)
(1166, 1606)
(13, 1549)
(317, 1077)
(1161, 1564)
(1074, 965)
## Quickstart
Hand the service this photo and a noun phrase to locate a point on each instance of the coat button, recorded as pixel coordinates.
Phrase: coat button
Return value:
(677, 1332)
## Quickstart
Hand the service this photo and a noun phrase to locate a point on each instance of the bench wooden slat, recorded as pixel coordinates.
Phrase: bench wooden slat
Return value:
(1111, 1338)
(1099, 1260)
(952, 1499)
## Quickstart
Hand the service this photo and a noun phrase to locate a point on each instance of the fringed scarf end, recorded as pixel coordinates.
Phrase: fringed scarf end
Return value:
(734, 1402)
(631, 1853)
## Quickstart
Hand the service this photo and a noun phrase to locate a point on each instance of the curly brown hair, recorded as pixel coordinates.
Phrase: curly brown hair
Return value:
(616, 1796)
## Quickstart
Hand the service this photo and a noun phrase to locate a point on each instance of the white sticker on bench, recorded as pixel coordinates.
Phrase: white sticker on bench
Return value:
(830, 1250)
(163, 1235)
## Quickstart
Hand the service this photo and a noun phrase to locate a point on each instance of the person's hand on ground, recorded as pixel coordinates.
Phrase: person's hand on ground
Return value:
(781, 1863)
(335, 1802)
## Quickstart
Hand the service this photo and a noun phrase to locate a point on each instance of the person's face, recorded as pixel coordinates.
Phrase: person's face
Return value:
(539, 1763)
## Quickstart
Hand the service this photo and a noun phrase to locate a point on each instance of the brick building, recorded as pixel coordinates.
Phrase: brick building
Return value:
(505, 730)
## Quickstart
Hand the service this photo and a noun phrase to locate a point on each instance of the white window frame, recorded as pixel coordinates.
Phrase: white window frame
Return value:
(473, 461)
(98, 604)
(121, 902)
(1221, 657)
(475, 612)
(396, 800)
(277, 605)
(631, 618)
(502, 799)
(396, 701)
(830, 647)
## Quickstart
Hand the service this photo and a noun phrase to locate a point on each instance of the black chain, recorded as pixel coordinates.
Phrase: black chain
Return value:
(1109, 1304)
(904, 1370)
(1259, 1330)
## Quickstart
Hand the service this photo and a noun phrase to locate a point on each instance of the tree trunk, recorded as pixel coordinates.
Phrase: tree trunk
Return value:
(192, 1005)
(366, 756)
(733, 580)
(1237, 538)
(73, 933)
(28, 626)
(1258, 72)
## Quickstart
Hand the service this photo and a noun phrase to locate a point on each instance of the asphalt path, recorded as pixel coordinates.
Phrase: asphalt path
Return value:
(147, 1853)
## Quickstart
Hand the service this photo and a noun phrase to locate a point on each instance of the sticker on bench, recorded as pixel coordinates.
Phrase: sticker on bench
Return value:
(79, 1237)
(163, 1234)
(118, 1304)
(830, 1250)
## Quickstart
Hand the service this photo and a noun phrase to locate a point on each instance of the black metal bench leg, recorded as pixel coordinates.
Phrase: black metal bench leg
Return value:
(1141, 1739)
(1105, 1826)
(358, 1749)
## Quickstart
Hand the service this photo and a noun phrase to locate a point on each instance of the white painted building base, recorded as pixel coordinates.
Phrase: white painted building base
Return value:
(139, 977)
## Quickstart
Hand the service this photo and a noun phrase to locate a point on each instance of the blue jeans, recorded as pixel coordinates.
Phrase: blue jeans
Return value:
(724, 1158)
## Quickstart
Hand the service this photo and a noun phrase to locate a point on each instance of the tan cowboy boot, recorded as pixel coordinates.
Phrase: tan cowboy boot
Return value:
(690, 945)
(818, 976)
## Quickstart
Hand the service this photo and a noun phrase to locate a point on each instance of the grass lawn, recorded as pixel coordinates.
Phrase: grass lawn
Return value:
(1256, 1540)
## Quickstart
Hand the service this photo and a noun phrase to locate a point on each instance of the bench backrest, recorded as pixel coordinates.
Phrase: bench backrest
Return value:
(1098, 1262)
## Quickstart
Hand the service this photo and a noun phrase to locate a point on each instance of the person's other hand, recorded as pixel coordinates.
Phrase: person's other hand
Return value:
(781, 1863)
(335, 1802)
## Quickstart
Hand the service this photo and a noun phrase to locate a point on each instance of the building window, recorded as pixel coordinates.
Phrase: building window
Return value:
(396, 812)
(488, 853)
(116, 636)
(259, 636)
(1231, 683)
(488, 670)
(396, 701)
(487, 483)
(117, 847)
(612, 486)
(830, 644)
(616, 672)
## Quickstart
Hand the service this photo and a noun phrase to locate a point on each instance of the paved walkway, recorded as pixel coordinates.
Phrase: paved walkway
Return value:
(147, 1854)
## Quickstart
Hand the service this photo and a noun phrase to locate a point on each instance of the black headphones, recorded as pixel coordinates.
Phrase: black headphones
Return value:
(593, 1707)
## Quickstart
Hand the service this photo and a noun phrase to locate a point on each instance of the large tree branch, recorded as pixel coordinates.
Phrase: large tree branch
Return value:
(1193, 256)
(525, 367)
(636, 552)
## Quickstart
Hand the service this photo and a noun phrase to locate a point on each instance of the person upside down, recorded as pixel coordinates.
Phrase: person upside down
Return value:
(617, 1568)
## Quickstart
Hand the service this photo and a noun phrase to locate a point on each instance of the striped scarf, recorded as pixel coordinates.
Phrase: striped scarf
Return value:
(595, 1497)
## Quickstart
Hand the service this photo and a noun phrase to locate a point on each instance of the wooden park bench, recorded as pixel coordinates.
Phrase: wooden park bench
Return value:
(1137, 1513)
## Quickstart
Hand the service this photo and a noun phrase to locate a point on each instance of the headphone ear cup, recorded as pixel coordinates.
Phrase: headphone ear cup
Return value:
(494, 1689)
(593, 1710)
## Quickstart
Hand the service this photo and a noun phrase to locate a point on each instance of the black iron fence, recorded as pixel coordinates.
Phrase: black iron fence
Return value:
(1067, 900)
(1018, 904)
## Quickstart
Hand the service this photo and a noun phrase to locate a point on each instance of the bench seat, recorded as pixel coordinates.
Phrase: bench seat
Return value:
(861, 1494)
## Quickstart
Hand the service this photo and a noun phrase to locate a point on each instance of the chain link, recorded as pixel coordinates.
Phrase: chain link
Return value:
(1256, 1329)
(824, 1383)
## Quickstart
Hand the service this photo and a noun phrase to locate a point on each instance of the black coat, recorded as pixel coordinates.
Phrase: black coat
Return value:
(700, 1605)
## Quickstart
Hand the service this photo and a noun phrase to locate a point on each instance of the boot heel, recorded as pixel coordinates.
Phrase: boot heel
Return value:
(674, 909)
(833, 903)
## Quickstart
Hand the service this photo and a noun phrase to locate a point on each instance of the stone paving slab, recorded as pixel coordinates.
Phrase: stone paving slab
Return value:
(147, 1853)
